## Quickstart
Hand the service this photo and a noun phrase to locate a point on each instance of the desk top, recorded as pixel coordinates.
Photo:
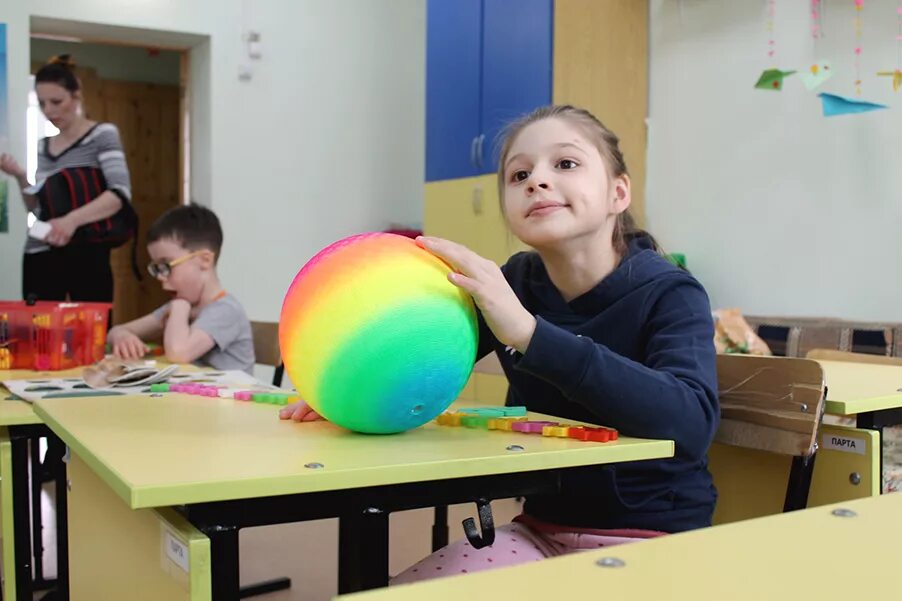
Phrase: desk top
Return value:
(17, 413)
(179, 449)
(858, 387)
(809, 554)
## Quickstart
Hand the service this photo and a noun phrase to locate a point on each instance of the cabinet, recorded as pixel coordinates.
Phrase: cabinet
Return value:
(467, 211)
(487, 63)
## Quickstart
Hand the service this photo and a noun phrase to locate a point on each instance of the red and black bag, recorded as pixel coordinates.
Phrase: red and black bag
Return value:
(74, 187)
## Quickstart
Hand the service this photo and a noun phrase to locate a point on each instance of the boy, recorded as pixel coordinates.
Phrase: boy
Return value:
(202, 322)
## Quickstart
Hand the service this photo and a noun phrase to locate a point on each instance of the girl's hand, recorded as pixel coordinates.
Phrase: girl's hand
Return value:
(299, 412)
(61, 230)
(503, 312)
(9, 166)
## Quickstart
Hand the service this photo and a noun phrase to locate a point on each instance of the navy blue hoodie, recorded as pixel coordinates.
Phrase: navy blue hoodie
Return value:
(635, 353)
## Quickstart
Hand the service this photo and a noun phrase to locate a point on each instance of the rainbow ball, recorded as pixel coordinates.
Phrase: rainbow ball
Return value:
(374, 336)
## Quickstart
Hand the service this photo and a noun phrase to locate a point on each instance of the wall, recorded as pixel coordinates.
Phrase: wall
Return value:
(779, 210)
(125, 63)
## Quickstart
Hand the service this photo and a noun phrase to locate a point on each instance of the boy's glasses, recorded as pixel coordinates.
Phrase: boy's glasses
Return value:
(163, 270)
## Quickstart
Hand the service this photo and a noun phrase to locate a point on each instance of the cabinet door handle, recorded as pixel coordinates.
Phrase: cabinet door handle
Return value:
(473, 145)
(479, 142)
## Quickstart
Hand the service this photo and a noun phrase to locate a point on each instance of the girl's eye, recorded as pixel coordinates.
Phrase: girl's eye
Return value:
(567, 164)
(519, 176)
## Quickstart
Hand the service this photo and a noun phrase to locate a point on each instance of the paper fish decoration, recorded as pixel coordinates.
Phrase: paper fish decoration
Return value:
(772, 79)
(816, 75)
(840, 105)
(897, 78)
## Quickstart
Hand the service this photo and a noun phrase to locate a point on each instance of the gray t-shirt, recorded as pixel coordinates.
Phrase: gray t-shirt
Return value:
(226, 323)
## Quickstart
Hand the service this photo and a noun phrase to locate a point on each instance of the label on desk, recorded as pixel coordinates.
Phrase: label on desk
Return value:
(176, 550)
(846, 444)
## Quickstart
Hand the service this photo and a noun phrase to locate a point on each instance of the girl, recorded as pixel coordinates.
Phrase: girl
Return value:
(596, 326)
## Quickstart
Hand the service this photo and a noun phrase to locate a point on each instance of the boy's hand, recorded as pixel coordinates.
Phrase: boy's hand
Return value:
(299, 412)
(126, 345)
(503, 312)
(179, 306)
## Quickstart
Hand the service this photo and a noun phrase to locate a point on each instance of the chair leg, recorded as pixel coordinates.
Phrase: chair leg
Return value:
(267, 586)
(799, 483)
(277, 375)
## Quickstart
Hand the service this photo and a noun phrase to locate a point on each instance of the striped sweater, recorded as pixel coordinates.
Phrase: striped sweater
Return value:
(78, 175)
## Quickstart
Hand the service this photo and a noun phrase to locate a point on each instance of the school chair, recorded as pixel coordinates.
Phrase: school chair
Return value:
(763, 456)
(824, 354)
(267, 352)
(795, 336)
(266, 347)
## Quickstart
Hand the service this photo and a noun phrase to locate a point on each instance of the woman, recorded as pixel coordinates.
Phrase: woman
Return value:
(82, 192)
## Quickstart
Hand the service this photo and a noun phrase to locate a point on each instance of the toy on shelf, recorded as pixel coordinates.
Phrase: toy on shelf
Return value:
(513, 419)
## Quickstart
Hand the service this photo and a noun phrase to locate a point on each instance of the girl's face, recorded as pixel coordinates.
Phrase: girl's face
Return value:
(557, 189)
(59, 105)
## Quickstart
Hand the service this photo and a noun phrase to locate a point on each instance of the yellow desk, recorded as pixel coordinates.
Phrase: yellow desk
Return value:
(228, 464)
(857, 388)
(20, 428)
(871, 392)
(808, 554)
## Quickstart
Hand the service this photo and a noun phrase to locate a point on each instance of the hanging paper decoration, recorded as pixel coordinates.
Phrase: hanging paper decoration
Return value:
(817, 20)
(819, 71)
(834, 105)
(859, 4)
(771, 79)
(771, 43)
(896, 73)
(817, 74)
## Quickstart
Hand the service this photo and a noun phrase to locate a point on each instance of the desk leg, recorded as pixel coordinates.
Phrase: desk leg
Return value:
(224, 562)
(22, 511)
(363, 551)
(62, 533)
(440, 528)
(871, 420)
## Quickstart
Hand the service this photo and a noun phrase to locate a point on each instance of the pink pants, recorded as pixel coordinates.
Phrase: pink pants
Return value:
(525, 539)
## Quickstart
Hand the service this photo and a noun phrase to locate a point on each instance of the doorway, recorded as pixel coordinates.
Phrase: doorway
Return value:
(143, 91)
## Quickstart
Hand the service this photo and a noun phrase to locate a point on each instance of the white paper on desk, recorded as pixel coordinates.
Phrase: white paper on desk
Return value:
(37, 389)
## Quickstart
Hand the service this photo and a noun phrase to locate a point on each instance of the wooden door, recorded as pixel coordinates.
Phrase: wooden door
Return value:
(147, 116)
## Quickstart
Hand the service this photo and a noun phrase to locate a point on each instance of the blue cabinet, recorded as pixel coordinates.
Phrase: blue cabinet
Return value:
(487, 62)
(453, 69)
